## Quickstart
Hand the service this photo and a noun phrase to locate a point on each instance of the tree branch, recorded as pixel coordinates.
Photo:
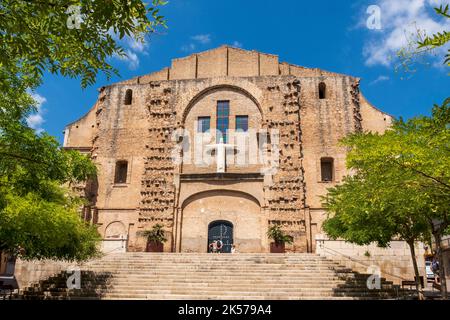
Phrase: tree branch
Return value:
(11, 155)
(423, 174)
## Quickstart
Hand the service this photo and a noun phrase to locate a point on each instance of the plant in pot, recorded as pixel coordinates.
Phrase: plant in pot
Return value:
(279, 239)
(155, 238)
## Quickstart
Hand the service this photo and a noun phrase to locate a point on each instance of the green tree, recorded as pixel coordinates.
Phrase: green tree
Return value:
(420, 45)
(38, 211)
(366, 209)
(38, 215)
(400, 187)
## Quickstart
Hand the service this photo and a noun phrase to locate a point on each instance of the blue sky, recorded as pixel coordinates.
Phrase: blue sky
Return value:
(326, 34)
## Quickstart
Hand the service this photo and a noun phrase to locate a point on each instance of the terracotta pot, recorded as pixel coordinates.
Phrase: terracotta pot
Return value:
(277, 247)
(153, 246)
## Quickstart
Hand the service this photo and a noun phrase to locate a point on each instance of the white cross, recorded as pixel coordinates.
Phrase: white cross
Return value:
(221, 154)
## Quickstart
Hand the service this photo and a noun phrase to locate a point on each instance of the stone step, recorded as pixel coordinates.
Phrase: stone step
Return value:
(214, 263)
(215, 296)
(302, 286)
(212, 260)
(225, 282)
(193, 297)
(212, 276)
(215, 278)
(227, 285)
(215, 266)
(207, 269)
(229, 294)
(228, 290)
(309, 288)
(216, 272)
(245, 295)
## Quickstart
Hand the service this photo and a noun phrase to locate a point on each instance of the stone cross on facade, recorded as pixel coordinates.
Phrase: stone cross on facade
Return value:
(221, 154)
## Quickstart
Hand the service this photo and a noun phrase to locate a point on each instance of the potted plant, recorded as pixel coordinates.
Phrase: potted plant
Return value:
(155, 238)
(279, 237)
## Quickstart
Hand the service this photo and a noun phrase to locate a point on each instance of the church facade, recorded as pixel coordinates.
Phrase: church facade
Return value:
(224, 143)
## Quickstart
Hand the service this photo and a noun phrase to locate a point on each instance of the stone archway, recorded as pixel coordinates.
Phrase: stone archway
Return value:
(240, 209)
(220, 88)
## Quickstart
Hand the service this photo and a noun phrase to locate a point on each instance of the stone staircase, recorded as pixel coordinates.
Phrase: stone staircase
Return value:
(241, 276)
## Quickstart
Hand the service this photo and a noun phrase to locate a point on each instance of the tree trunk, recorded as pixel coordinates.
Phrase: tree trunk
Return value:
(437, 239)
(419, 286)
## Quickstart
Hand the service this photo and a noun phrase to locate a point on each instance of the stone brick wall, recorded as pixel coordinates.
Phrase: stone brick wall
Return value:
(275, 96)
(395, 262)
(30, 272)
(227, 61)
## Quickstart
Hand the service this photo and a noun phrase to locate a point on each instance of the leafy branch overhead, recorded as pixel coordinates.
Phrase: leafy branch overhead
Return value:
(39, 211)
(34, 35)
(421, 44)
(441, 38)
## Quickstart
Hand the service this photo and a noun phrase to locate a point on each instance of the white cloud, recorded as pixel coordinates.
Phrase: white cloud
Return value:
(132, 47)
(237, 44)
(379, 79)
(137, 45)
(36, 119)
(188, 47)
(199, 39)
(202, 38)
(400, 21)
(131, 58)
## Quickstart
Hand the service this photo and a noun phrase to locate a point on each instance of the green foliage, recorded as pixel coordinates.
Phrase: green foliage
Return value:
(401, 182)
(156, 234)
(36, 213)
(28, 161)
(46, 228)
(38, 217)
(420, 45)
(34, 35)
(439, 39)
(276, 234)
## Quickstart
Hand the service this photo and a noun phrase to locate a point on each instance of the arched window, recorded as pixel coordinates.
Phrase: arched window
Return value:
(326, 169)
(322, 91)
(128, 96)
(121, 172)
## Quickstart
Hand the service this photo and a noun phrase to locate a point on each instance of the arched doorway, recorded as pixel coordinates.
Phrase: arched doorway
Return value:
(221, 230)
(238, 208)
